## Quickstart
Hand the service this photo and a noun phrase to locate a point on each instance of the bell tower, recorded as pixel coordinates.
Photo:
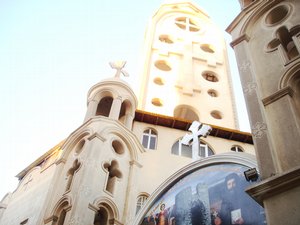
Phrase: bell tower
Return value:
(186, 72)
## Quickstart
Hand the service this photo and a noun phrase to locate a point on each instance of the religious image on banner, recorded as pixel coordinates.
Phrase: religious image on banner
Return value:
(213, 195)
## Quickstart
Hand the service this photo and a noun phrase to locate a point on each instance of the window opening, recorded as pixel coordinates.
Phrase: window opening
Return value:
(236, 149)
(187, 24)
(104, 106)
(186, 150)
(149, 139)
(209, 76)
(71, 172)
(113, 174)
(101, 217)
(140, 202)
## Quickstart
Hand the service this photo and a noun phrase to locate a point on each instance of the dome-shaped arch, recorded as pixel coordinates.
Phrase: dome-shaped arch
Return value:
(205, 168)
(149, 138)
(108, 204)
(257, 15)
(186, 112)
(127, 111)
(74, 141)
(59, 211)
(290, 83)
(64, 202)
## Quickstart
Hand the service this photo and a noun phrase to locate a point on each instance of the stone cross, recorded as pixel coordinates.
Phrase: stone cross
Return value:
(198, 131)
(119, 65)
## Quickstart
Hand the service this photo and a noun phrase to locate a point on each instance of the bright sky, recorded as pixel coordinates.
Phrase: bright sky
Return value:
(52, 52)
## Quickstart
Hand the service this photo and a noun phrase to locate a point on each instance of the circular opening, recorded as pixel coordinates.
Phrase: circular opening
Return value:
(159, 81)
(207, 48)
(157, 102)
(212, 93)
(162, 65)
(216, 114)
(277, 15)
(79, 147)
(210, 76)
(118, 147)
(166, 39)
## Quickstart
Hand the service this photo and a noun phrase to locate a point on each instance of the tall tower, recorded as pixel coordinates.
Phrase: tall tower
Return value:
(186, 72)
(267, 45)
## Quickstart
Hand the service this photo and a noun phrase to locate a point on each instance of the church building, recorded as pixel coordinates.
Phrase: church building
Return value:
(172, 153)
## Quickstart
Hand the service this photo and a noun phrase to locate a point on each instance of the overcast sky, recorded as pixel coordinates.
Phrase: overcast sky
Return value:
(52, 52)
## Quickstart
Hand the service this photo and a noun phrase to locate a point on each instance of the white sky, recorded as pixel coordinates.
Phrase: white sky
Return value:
(53, 51)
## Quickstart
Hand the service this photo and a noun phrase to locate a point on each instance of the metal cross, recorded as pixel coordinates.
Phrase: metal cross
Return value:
(119, 65)
(198, 130)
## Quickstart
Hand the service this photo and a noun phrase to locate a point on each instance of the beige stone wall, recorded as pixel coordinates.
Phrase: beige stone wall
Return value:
(175, 59)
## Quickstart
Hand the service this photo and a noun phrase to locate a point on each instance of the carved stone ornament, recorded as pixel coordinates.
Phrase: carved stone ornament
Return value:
(249, 88)
(259, 130)
(244, 66)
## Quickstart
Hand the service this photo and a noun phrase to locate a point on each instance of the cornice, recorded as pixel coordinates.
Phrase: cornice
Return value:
(238, 40)
(277, 95)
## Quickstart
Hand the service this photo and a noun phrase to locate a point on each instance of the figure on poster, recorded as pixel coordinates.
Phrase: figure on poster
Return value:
(199, 213)
(160, 218)
(236, 206)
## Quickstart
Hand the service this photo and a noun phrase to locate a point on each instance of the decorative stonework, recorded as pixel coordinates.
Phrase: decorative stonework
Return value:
(249, 88)
(75, 221)
(85, 190)
(259, 130)
(244, 66)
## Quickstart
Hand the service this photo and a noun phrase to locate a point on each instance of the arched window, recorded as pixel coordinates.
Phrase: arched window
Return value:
(140, 202)
(60, 213)
(149, 139)
(236, 149)
(186, 112)
(104, 106)
(186, 150)
(205, 150)
(101, 217)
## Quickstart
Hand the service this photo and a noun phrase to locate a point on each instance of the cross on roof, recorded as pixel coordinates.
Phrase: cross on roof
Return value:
(198, 130)
(119, 65)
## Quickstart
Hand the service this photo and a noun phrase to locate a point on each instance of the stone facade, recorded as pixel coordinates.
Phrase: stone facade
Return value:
(268, 32)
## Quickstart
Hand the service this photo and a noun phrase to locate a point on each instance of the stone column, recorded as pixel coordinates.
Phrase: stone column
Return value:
(264, 151)
(116, 108)
(128, 121)
(91, 110)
